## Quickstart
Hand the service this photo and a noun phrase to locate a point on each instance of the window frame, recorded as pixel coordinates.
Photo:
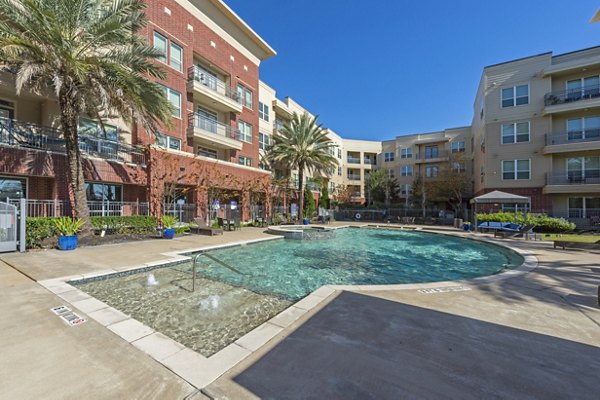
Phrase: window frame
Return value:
(515, 171)
(461, 149)
(515, 133)
(389, 156)
(243, 133)
(167, 59)
(261, 143)
(245, 161)
(406, 152)
(263, 111)
(514, 95)
(406, 170)
(165, 141)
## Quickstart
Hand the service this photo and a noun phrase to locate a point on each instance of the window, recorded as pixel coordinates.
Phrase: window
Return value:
(339, 171)
(390, 173)
(168, 142)
(458, 147)
(584, 207)
(404, 188)
(247, 161)
(174, 55)
(263, 165)
(13, 188)
(406, 153)
(588, 87)
(431, 171)
(88, 127)
(583, 128)
(245, 131)
(174, 98)
(406, 170)
(432, 152)
(515, 96)
(264, 141)
(388, 156)
(458, 166)
(245, 96)
(340, 153)
(517, 132)
(516, 170)
(103, 192)
(263, 111)
(581, 169)
(160, 44)
(206, 152)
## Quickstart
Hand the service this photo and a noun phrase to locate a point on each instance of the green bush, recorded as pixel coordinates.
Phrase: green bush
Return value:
(542, 222)
(128, 224)
(38, 229)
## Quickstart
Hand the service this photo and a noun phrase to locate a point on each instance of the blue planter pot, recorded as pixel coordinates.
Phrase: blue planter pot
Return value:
(67, 242)
(467, 227)
(169, 233)
(305, 221)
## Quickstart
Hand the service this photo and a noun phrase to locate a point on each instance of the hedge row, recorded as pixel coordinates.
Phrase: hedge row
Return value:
(39, 229)
(542, 222)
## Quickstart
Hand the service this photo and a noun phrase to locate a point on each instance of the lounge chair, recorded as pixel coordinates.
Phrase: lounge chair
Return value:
(202, 228)
(237, 222)
(511, 232)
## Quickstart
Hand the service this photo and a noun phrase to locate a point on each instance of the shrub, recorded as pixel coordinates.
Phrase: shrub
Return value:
(67, 226)
(38, 229)
(129, 224)
(542, 222)
(168, 221)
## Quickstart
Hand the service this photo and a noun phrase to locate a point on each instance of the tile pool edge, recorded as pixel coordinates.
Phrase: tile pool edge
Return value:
(199, 370)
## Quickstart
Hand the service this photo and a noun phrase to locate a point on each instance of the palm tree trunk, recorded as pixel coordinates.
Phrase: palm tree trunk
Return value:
(68, 118)
(301, 191)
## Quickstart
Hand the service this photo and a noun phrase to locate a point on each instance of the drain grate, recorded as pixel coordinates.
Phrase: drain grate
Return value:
(444, 289)
(68, 316)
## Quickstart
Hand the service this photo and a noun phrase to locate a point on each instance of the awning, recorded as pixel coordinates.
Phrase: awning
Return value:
(500, 197)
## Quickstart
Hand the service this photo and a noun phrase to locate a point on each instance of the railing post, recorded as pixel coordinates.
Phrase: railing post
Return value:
(23, 226)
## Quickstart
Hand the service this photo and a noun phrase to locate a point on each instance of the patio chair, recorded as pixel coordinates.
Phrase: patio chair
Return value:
(203, 229)
(511, 232)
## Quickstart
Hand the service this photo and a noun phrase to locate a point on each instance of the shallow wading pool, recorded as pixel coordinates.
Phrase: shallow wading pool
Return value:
(268, 277)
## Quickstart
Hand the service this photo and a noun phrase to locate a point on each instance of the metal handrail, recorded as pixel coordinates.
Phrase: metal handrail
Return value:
(570, 95)
(586, 135)
(431, 156)
(204, 77)
(197, 120)
(215, 259)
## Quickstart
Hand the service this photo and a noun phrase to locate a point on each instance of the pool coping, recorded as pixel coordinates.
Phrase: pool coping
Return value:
(199, 370)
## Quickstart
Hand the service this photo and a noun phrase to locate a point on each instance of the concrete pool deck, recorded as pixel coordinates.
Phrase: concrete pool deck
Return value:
(353, 345)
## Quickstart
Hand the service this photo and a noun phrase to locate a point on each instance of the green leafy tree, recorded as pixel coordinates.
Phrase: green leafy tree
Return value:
(303, 145)
(89, 54)
(324, 201)
(310, 206)
(381, 187)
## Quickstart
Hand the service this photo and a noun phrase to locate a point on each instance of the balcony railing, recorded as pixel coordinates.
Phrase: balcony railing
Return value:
(571, 95)
(428, 155)
(354, 177)
(196, 120)
(355, 194)
(589, 135)
(202, 76)
(584, 213)
(28, 135)
(370, 161)
(579, 178)
(62, 208)
(353, 160)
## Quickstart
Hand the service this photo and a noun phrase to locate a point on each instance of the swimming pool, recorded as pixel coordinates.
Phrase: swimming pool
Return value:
(273, 275)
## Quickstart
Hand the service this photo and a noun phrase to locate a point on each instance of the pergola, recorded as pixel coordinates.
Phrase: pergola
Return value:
(498, 197)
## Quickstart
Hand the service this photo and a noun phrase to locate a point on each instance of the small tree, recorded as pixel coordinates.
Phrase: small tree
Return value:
(309, 203)
(452, 185)
(324, 200)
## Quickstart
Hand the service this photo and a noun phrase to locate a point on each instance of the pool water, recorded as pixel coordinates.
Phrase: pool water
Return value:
(273, 275)
(292, 269)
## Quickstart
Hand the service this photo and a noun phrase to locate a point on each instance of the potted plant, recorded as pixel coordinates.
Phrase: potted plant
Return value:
(305, 220)
(67, 229)
(168, 223)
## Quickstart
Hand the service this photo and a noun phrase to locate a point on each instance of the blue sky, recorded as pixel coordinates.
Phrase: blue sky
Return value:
(382, 68)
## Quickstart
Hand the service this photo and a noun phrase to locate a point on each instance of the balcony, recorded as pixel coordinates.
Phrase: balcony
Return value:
(32, 136)
(354, 177)
(572, 99)
(212, 91)
(369, 161)
(213, 133)
(432, 156)
(579, 182)
(572, 141)
(353, 160)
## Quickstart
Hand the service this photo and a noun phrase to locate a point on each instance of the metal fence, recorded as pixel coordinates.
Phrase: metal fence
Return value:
(62, 208)
(183, 212)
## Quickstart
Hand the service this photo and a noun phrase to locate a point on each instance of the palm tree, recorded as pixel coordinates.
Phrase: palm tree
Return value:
(88, 54)
(303, 145)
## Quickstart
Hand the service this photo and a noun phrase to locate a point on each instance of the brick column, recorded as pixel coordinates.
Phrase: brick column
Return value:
(245, 205)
